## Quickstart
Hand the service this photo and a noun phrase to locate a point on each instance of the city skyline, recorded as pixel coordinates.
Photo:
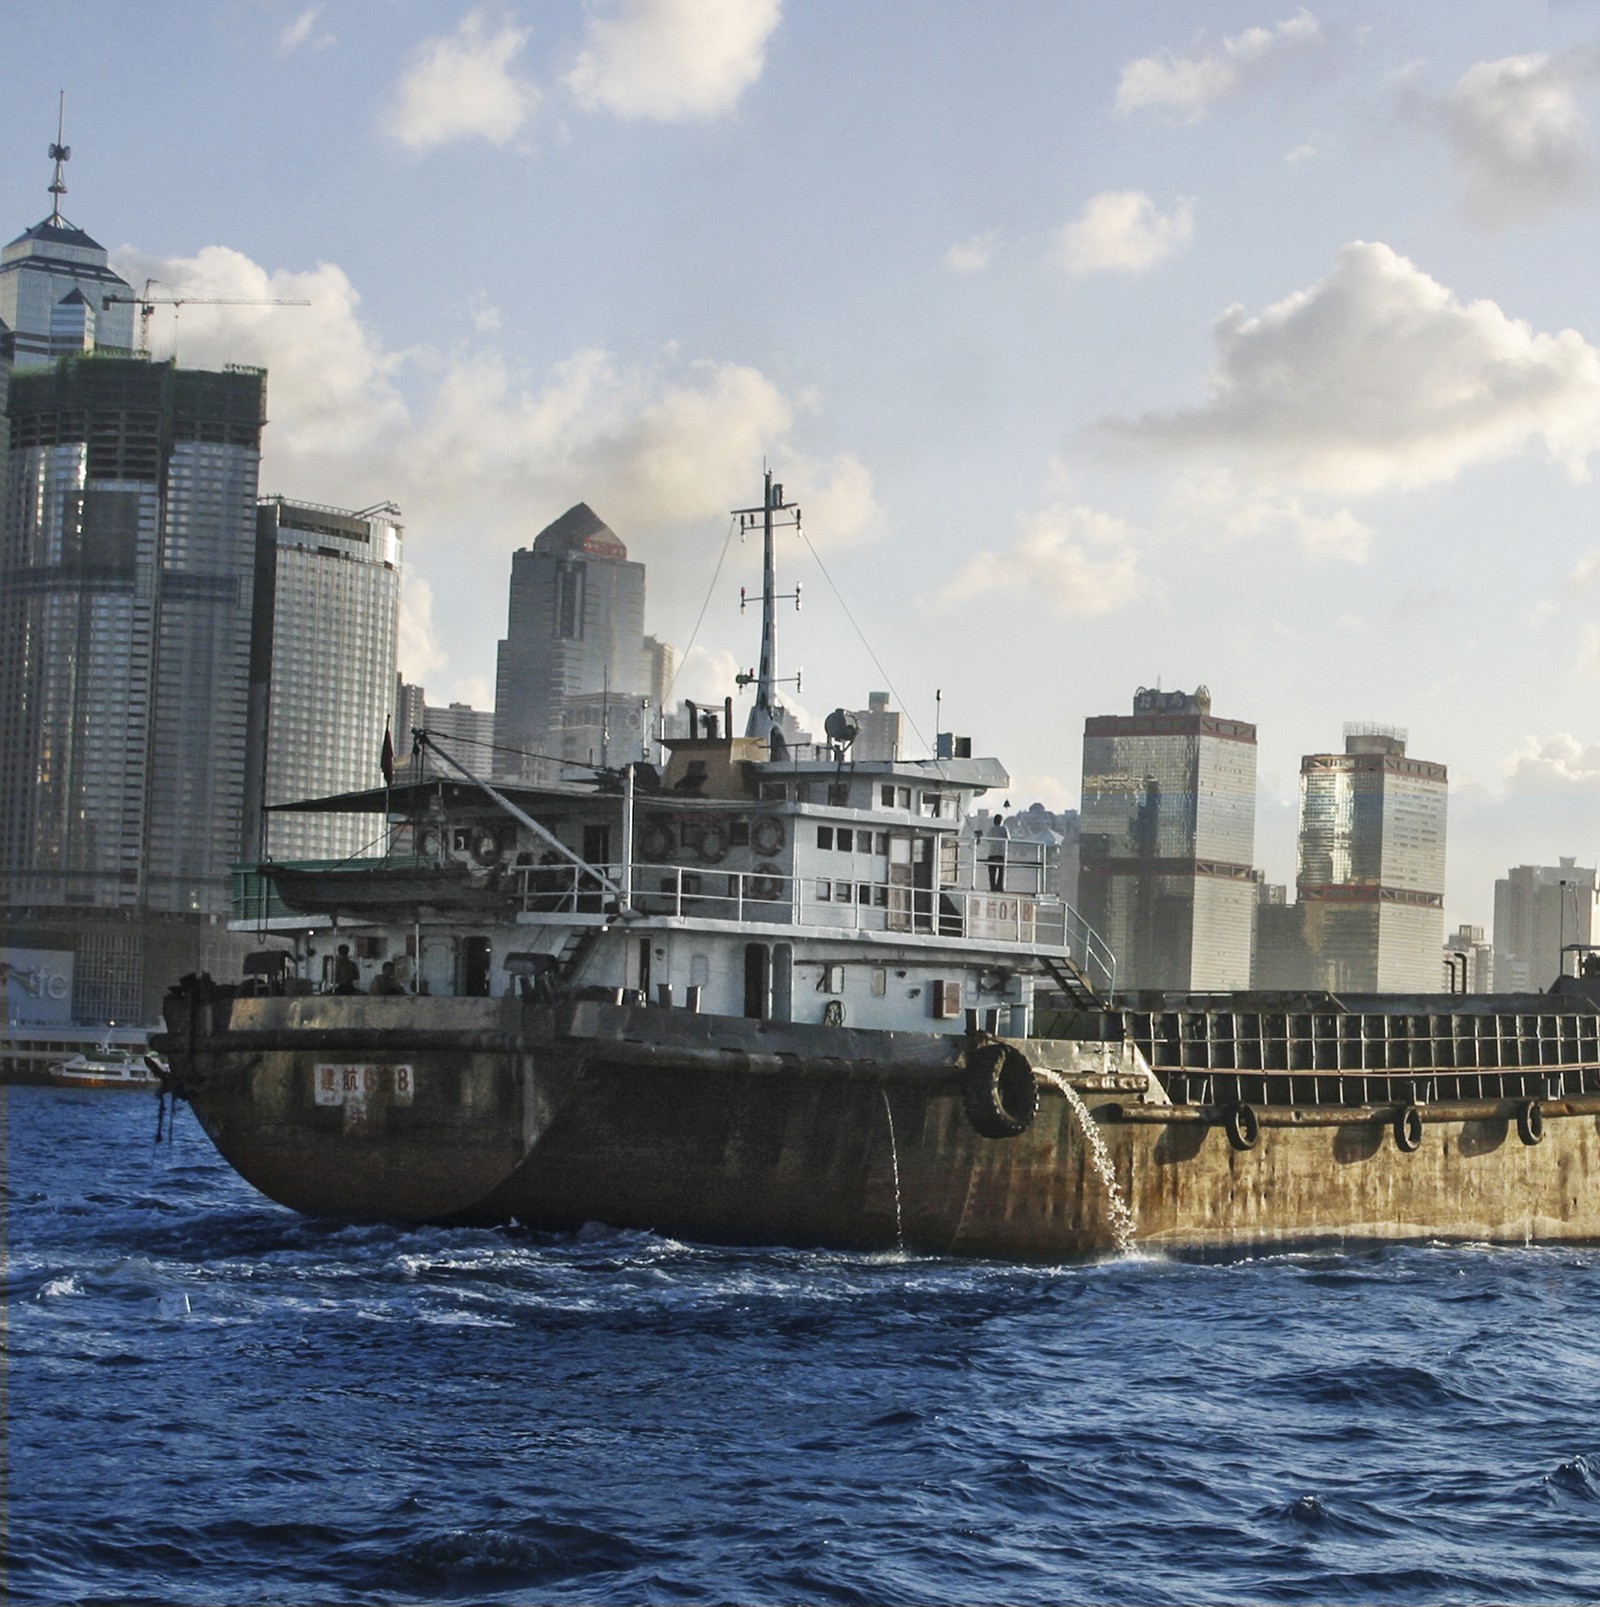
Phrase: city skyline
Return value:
(1187, 358)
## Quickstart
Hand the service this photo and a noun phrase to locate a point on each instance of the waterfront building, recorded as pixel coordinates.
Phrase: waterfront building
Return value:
(1371, 864)
(1168, 840)
(877, 730)
(54, 285)
(574, 630)
(464, 732)
(127, 558)
(1538, 911)
(1468, 961)
(327, 606)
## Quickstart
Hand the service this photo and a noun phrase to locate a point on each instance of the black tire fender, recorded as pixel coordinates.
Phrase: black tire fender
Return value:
(766, 835)
(1530, 1122)
(999, 1092)
(766, 883)
(1242, 1126)
(1408, 1128)
(657, 841)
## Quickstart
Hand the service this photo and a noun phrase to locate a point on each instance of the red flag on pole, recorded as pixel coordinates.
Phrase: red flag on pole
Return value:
(387, 758)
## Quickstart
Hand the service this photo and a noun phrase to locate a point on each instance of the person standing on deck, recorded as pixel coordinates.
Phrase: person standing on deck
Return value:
(998, 838)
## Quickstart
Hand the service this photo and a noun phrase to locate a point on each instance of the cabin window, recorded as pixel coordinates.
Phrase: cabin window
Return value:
(371, 948)
(880, 895)
(946, 1000)
(774, 791)
(842, 891)
(461, 840)
(839, 794)
(844, 840)
(802, 792)
(864, 893)
(880, 981)
(831, 979)
(824, 836)
(931, 804)
(903, 797)
(597, 844)
(824, 891)
(886, 797)
(883, 842)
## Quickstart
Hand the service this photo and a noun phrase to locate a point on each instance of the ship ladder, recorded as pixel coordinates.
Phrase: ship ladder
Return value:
(1078, 989)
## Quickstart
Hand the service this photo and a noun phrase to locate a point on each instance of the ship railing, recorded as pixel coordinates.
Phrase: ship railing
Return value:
(833, 902)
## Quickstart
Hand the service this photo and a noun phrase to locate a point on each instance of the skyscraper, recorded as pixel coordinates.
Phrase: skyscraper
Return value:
(1538, 910)
(126, 578)
(574, 639)
(54, 281)
(327, 606)
(1371, 876)
(1168, 838)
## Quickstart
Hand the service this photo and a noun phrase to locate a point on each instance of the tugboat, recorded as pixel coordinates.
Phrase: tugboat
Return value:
(779, 994)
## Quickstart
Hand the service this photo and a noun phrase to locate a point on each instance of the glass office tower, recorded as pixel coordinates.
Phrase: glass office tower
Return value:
(1371, 873)
(327, 610)
(1168, 840)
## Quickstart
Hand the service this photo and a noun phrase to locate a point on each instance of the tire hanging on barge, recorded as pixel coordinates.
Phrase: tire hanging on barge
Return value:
(1000, 1094)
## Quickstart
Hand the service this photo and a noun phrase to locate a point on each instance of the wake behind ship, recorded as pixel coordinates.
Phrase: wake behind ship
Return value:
(784, 995)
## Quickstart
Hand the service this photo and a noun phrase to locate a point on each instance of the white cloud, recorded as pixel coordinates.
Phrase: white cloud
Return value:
(972, 256)
(1213, 503)
(1190, 86)
(1522, 144)
(1120, 231)
(673, 59)
(1558, 764)
(463, 85)
(1378, 378)
(479, 457)
(419, 652)
(303, 31)
(1076, 560)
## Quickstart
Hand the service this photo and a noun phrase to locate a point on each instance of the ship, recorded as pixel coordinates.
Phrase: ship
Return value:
(106, 1065)
(786, 993)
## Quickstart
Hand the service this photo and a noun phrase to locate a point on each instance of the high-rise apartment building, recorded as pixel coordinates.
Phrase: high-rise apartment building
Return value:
(877, 729)
(1168, 839)
(1371, 866)
(126, 580)
(1538, 911)
(574, 635)
(54, 285)
(327, 608)
(464, 732)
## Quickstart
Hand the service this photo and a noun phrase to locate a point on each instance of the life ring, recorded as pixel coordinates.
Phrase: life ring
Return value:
(767, 883)
(833, 1013)
(1408, 1128)
(1530, 1122)
(485, 848)
(656, 840)
(766, 835)
(999, 1093)
(1242, 1126)
(712, 846)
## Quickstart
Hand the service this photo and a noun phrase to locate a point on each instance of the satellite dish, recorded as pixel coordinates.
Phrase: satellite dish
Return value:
(840, 728)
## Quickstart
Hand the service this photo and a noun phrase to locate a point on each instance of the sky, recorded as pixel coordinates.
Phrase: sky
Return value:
(1103, 346)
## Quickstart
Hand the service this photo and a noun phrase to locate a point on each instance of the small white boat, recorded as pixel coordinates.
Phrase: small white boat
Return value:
(106, 1066)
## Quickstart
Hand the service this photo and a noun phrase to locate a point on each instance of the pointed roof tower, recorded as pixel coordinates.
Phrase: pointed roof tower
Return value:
(47, 263)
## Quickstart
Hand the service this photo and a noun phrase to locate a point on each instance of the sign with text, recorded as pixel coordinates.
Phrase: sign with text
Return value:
(353, 1084)
(38, 987)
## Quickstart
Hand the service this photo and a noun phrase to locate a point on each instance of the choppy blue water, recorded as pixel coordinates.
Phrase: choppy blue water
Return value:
(214, 1401)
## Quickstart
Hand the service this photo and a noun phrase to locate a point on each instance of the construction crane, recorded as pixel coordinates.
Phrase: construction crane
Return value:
(147, 304)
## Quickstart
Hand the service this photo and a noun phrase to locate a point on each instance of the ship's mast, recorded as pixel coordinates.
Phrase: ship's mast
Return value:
(765, 716)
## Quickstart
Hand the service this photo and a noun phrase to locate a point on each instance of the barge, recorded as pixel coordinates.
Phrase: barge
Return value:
(784, 995)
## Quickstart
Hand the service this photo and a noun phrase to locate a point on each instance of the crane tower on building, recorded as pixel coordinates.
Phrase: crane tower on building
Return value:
(147, 304)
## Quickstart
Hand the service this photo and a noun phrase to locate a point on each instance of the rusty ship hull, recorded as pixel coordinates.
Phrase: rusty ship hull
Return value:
(727, 1130)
